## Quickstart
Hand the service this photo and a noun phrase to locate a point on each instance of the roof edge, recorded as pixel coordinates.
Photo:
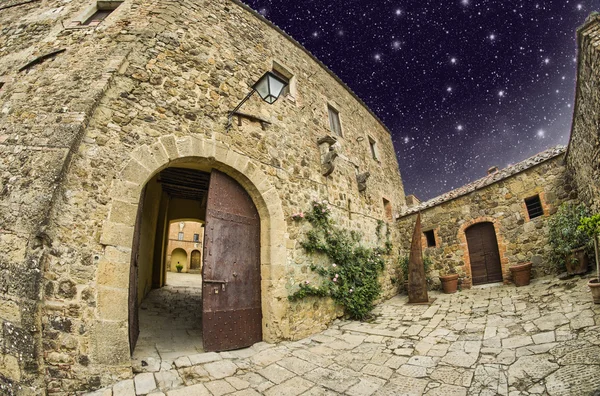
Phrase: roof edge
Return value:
(561, 150)
(321, 64)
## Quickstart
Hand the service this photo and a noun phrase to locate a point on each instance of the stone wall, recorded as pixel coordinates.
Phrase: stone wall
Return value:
(520, 239)
(584, 147)
(188, 244)
(84, 130)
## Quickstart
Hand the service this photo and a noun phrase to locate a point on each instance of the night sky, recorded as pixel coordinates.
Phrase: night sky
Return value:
(462, 84)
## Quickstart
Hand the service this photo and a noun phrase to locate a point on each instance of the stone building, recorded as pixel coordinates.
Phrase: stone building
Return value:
(583, 152)
(108, 111)
(484, 227)
(184, 246)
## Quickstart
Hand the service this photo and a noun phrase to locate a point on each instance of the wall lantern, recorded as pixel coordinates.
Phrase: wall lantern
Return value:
(269, 87)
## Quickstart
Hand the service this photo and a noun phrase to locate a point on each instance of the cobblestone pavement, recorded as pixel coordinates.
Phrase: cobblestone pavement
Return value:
(170, 320)
(535, 340)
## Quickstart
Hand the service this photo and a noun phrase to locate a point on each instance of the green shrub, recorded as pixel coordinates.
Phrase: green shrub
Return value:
(564, 233)
(352, 278)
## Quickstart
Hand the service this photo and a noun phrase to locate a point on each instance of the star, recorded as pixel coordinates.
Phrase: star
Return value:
(406, 139)
(459, 127)
(501, 94)
(396, 44)
(398, 12)
(546, 61)
(449, 89)
(492, 37)
(579, 7)
(377, 57)
(541, 134)
(465, 2)
(453, 60)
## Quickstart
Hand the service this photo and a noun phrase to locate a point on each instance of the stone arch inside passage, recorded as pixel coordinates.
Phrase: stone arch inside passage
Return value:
(137, 177)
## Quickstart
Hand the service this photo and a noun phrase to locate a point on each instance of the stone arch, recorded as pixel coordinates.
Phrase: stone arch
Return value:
(202, 154)
(179, 256)
(462, 238)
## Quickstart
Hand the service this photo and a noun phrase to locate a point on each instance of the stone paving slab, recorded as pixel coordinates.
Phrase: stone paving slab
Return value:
(543, 339)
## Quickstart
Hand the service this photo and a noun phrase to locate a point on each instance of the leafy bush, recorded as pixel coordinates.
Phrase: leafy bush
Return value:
(352, 278)
(564, 233)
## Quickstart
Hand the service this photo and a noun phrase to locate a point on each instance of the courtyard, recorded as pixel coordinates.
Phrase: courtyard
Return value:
(535, 340)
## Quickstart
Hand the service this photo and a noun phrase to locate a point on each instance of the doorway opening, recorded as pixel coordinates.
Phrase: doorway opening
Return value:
(484, 254)
(195, 269)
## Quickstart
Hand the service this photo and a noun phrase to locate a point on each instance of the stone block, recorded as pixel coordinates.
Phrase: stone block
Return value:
(194, 390)
(112, 303)
(9, 367)
(124, 388)
(221, 369)
(117, 235)
(113, 275)
(170, 146)
(123, 212)
(10, 312)
(144, 383)
(109, 343)
(135, 172)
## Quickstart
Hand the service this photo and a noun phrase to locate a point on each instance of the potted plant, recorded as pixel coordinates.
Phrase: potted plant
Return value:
(449, 279)
(179, 267)
(591, 226)
(521, 273)
(570, 246)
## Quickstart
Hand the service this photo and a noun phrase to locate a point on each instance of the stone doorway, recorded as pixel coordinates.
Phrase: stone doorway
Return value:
(168, 309)
(484, 254)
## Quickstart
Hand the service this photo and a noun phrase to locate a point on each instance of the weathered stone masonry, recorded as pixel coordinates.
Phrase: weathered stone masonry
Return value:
(84, 130)
(498, 199)
(583, 155)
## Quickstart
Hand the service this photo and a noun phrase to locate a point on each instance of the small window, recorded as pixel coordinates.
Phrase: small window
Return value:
(180, 236)
(286, 90)
(430, 236)
(387, 207)
(534, 207)
(373, 145)
(100, 12)
(334, 121)
(196, 237)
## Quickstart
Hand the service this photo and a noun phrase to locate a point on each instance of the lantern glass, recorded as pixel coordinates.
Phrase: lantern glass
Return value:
(269, 87)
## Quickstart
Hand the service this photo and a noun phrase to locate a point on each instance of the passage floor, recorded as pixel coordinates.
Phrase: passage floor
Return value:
(535, 340)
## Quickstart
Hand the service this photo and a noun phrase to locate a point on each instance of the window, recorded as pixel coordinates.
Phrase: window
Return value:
(387, 207)
(334, 121)
(180, 236)
(96, 13)
(430, 236)
(283, 73)
(196, 237)
(534, 207)
(286, 90)
(373, 145)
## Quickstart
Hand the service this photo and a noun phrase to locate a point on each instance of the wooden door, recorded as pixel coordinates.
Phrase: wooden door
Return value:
(134, 322)
(195, 261)
(231, 305)
(484, 254)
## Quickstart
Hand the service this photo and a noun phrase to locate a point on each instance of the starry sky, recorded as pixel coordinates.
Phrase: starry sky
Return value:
(463, 85)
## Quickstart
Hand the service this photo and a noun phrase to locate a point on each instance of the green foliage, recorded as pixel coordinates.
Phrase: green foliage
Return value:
(565, 233)
(179, 267)
(352, 278)
(590, 225)
(403, 264)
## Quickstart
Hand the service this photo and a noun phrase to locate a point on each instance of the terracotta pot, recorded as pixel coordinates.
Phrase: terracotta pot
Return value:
(594, 285)
(449, 283)
(577, 262)
(521, 274)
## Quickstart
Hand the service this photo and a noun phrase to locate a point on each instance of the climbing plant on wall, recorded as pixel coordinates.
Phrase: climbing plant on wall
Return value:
(352, 277)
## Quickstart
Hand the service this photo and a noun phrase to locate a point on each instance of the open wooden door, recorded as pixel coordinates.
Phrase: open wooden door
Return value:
(231, 303)
(134, 321)
(484, 254)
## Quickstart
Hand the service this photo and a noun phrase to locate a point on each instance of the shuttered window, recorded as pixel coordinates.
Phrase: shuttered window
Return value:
(534, 207)
(334, 121)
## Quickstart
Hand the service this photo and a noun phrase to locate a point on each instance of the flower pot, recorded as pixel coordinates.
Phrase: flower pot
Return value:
(594, 285)
(449, 283)
(577, 261)
(521, 274)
